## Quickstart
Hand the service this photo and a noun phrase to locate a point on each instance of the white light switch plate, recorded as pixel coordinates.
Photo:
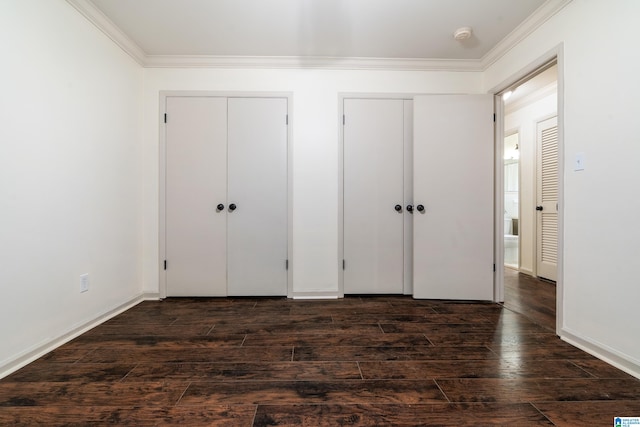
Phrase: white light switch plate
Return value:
(84, 282)
(578, 164)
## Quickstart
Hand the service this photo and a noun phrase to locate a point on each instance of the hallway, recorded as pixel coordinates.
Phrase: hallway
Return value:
(531, 297)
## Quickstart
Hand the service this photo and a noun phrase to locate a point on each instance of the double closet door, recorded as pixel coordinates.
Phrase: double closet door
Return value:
(418, 196)
(226, 196)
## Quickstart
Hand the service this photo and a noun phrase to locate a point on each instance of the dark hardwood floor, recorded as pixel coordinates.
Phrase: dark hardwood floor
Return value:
(531, 297)
(359, 361)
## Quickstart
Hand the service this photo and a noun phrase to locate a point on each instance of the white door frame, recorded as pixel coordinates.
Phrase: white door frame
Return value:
(341, 98)
(556, 54)
(162, 172)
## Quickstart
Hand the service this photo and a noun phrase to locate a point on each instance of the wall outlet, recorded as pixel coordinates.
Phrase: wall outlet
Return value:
(84, 282)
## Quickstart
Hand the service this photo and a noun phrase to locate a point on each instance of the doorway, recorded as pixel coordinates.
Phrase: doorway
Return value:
(531, 142)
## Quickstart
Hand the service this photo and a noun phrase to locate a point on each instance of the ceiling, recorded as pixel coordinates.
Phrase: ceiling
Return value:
(375, 29)
(530, 90)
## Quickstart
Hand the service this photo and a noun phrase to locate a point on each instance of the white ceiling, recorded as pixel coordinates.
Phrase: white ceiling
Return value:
(532, 89)
(410, 30)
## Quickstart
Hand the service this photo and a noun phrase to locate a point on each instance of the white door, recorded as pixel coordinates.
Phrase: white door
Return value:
(547, 199)
(453, 196)
(196, 183)
(373, 196)
(257, 189)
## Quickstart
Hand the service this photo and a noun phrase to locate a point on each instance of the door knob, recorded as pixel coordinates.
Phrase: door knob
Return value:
(398, 208)
(420, 208)
(232, 207)
(410, 208)
(220, 207)
(539, 208)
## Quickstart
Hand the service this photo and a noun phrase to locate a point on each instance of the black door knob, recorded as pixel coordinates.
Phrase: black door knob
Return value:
(420, 208)
(232, 207)
(220, 207)
(538, 208)
(398, 208)
(410, 208)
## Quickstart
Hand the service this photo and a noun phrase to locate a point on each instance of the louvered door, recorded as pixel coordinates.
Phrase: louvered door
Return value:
(547, 199)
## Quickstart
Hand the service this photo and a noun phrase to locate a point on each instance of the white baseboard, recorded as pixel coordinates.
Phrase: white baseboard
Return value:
(602, 352)
(50, 345)
(315, 295)
(527, 271)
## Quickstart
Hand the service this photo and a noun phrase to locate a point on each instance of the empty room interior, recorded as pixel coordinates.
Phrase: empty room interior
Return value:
(319, 212)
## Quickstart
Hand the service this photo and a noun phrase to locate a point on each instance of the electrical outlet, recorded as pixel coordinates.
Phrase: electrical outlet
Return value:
(84, 282)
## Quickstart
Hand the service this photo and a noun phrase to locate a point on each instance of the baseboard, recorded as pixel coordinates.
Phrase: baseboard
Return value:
(602, 352)
(50, 345)
(526, 271)
(315, 295)
(151, 296)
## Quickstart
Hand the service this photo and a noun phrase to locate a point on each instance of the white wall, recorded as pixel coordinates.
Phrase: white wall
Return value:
(601, 88)
(315, 149)
(70, 182)
(525, 120)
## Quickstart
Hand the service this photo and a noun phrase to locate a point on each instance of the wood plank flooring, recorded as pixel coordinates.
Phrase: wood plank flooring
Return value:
(359, 361)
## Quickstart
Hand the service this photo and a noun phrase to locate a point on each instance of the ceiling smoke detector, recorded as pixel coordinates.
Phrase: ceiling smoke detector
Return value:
(462, 33)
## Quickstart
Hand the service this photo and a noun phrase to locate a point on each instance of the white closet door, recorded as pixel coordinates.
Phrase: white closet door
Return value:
(453, 181)
(373, 186)
(257, 186)
(196, 182)
(547, 199)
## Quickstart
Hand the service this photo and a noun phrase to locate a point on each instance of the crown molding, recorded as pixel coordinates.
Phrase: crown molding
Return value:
(327, 63)
(111, 30)
(528, 26)
(104, 24)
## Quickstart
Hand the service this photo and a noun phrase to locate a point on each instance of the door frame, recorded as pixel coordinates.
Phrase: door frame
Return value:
(554, 55)
(162, 173)
(341, 97)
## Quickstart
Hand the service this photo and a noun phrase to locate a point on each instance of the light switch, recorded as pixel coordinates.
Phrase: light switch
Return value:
(578, 164)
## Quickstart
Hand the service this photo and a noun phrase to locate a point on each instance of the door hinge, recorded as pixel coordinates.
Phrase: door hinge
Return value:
(165, 264)
(286, 120)
(494, 117)
(494, 268)
(286, 264)
(344, 264)
(165, 117)
(344, 120)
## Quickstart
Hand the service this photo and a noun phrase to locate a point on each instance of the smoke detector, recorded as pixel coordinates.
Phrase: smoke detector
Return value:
(462, 33)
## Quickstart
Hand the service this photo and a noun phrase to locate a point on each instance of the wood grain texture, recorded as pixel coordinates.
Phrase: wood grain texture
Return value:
(360, 361)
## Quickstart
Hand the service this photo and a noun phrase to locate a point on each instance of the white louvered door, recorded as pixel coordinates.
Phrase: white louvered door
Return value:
(547, 199)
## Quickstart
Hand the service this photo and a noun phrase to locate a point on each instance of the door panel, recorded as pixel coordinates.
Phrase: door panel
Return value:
(453, 180)
(373, 186)
(257, 185)
(196, 182)
(547, 199)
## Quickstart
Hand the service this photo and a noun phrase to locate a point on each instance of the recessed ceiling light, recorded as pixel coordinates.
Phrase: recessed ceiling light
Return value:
(462, 33)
